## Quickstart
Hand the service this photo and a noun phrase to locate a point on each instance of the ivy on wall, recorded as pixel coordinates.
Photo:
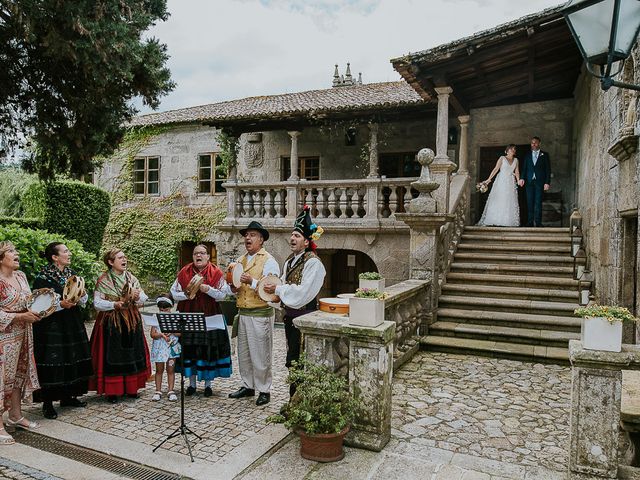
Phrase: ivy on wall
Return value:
(150, 230)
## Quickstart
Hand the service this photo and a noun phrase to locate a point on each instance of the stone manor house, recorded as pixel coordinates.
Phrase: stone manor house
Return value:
(349, 151)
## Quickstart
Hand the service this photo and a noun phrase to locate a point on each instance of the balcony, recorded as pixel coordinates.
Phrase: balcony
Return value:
(368, 204)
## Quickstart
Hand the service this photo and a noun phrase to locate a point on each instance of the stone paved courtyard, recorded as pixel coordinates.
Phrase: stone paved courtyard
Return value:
(455, 416)
(503, 410)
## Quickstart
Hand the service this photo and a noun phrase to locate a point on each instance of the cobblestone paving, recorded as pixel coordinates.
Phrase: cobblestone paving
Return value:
(503, 410)
(222, 423)
(15, 471)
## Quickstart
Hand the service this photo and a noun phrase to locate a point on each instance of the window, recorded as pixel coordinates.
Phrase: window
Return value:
(308, 168)
(398, 165)
(146, 176)
(210, 176)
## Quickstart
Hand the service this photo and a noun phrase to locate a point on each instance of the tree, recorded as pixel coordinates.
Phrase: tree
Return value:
(70, 70)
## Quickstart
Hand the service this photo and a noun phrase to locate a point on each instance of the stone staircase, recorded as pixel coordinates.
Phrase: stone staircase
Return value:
(510, 293)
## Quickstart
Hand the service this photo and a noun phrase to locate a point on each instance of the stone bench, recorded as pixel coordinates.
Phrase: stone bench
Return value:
(630, 415)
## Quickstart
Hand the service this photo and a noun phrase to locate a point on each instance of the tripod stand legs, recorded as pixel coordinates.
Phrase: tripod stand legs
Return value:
(182, 430)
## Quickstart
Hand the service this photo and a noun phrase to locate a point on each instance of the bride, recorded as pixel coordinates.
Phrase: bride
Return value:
(502, 205)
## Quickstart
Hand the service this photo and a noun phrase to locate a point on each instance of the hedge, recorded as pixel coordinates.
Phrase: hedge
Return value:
(30, 243)
(34, 223)
(76, 210)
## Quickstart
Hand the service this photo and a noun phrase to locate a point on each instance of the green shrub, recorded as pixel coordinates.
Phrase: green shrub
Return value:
(611, 313)
(30, 243)
(34, 223)
(373, 293)
(76, 210)
(370, 276)
(13, 183)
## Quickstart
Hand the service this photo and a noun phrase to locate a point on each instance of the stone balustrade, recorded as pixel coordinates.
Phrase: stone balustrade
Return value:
(348, 201)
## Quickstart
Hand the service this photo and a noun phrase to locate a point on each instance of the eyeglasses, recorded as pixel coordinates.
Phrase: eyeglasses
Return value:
(195, 254)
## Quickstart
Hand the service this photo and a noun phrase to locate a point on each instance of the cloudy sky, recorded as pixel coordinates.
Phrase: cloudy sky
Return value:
(227, 49)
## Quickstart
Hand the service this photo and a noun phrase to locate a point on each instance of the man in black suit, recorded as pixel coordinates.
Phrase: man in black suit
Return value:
(535, 176)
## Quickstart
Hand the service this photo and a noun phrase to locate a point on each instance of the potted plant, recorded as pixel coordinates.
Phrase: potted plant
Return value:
(320, 411)
(371, 280)
(602, 326)
(366, 307)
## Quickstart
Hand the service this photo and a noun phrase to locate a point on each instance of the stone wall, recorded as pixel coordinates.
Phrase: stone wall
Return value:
(500, 126)
(607, 188)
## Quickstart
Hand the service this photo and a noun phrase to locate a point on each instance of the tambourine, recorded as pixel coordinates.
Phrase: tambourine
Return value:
(268, 297)
(234, 272)
(193, 286)
(346, 295)
(43, 302)
(334, 305)
(73, 289)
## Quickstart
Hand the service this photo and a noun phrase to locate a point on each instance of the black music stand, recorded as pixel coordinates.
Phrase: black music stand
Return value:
(181, 323)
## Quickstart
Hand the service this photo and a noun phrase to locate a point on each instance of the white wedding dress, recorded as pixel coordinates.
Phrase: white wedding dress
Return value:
(502, 205)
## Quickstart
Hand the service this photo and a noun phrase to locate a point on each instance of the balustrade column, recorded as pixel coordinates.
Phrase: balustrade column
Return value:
(294, 156)
(463, 164)
(442, 167)
(373, 150)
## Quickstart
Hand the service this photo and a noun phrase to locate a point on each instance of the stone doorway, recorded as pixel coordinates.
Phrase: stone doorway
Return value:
(186, 252)
(343, 268)
(630, 264)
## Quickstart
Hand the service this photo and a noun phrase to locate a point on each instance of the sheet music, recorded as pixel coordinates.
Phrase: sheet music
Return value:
(214, 322)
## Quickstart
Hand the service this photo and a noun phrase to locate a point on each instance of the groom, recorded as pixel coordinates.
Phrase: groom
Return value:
(535, 176)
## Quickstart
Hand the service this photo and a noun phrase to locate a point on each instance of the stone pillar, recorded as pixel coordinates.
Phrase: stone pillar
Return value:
(294, 156)
(595, 409)
(442, 166)
(370, 370)
(463, 163)
(373, 150)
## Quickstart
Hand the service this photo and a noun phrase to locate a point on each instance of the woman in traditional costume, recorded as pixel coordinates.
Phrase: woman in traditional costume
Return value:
(206, 355)
(61, 345)
(18, 375)
(118, 346)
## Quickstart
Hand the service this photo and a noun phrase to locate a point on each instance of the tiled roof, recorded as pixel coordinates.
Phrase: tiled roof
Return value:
(372, 96)
(505, 30)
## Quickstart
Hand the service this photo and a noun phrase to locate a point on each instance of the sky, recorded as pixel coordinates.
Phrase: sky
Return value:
(229, 49)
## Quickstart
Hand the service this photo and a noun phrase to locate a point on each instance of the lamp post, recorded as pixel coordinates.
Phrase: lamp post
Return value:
(576, 240)
(605, 31)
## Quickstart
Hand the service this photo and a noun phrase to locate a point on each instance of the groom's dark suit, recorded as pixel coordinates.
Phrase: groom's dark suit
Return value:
(535, 176)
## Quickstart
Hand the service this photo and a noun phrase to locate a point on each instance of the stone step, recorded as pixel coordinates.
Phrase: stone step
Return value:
(494, 268)
(531, 336)
(510, 319)
(543, 250)
(488, 290)
(507, 305)
(537, 231)
(495, 238)
(537, 353)
(514, 258)
(524, 281)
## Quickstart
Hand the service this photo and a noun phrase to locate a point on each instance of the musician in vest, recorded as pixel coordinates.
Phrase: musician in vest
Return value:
(255, 317)
(303, 276)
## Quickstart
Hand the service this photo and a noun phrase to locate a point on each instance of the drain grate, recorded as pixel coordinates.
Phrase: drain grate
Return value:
(100, 460)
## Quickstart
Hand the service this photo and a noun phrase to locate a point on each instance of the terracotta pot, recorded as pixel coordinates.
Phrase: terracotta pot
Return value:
(322, 447)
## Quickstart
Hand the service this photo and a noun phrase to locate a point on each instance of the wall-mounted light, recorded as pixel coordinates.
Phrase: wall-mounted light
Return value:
(605, 31)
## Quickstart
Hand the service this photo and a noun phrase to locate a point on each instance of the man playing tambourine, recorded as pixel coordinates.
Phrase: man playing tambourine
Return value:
(303, 276)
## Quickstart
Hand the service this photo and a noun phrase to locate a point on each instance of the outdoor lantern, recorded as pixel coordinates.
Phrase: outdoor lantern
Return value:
(576, 240)
(605, 31)
(584, 283)
(579, 261)
(575, 220)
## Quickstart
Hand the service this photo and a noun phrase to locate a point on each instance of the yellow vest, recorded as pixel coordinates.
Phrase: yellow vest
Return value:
(247, 297)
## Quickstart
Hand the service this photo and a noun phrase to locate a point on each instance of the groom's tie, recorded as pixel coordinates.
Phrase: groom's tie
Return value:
(534, 157)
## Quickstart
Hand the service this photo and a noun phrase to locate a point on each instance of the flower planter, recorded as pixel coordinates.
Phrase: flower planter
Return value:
(600, 334)
(366, 312)
(372, 284)
(322, 447)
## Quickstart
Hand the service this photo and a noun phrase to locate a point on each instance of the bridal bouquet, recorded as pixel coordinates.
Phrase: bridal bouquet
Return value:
(482, 187)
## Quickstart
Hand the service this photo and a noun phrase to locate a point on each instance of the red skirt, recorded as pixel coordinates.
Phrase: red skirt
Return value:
(115, 374)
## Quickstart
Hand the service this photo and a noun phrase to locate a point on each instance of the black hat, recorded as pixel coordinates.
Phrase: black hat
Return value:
(256, 226)
(305, 225)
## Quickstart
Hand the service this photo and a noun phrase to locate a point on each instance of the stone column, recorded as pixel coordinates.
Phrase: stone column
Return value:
(294, 156)
(370, 370)
(595, 409)
(442, 166)
(463, 163)
(373, 150)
